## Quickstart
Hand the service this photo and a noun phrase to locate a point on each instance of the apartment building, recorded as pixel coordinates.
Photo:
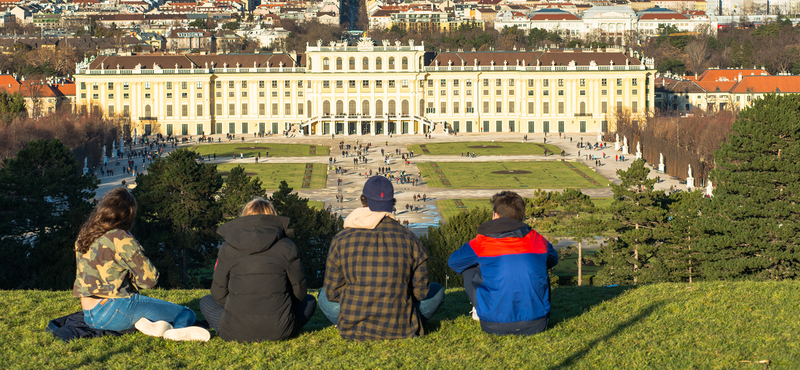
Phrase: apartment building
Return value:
(369, 89)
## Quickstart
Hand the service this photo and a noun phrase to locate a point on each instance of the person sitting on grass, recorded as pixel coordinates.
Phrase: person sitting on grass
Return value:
(111, 268)
(259, 289)
(376, 275)
(505, 271)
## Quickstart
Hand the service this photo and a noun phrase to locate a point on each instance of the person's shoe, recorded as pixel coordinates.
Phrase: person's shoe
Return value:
(474, 313)
(153, 329)
(195, 333)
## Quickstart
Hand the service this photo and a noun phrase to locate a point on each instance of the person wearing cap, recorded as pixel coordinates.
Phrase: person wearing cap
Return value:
(376, 275)
(505, 271)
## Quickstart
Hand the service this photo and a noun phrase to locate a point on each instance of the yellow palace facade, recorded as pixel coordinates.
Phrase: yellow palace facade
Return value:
(368, 89)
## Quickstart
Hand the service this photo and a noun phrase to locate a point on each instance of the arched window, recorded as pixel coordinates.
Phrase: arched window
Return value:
(351, 64)
(351, 107)
(147, 111)
(378, 64)
(308, 108)
(392, 108)
(404, 106)
(422, 107)
(404, 64)
(421, 60)
(338, 64)
(339, 107)
(379, 108)
(391, 63)
(365, 107)
(309, 64)
(326, 107)
(582, 108)
(326, 64)
(365, 64)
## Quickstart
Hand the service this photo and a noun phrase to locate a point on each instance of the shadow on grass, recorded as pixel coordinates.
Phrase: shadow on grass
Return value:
(456, 304)
(570, 361)
(571, 301)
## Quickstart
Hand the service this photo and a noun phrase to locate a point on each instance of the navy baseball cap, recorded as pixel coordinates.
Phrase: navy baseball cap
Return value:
(379, 193)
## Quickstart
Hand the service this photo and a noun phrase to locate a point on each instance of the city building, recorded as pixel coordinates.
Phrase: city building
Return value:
(369, 89)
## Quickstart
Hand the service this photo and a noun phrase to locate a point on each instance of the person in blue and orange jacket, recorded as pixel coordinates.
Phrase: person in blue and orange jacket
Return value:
(505, 271)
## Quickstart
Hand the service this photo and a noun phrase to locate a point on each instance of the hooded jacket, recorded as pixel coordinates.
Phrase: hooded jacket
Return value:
(513, 259)
(257, 279)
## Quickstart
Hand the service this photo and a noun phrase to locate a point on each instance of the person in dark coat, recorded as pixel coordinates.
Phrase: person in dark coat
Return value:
(259, 290)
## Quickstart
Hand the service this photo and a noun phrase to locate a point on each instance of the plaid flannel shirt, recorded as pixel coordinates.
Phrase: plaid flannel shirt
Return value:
(376, 275)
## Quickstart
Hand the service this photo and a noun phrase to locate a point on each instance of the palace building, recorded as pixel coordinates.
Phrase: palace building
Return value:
(369, 89)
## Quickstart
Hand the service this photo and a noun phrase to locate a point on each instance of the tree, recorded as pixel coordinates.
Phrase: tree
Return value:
(637, 211)
(178, 215)
(586, 222)
(674, 66)
(238, 190)
(234, 25)
(750, 225)
(442, 241)
(313, 230)
(44, 199)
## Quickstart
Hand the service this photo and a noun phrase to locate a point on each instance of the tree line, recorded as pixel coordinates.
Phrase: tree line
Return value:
(747, 230)
(44, 199)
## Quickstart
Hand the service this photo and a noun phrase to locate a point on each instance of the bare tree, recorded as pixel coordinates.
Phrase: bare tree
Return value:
(698, 53)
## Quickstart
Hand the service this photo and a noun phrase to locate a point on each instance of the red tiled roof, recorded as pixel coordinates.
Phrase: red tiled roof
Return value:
(713, 86)
(663, 17)
(8, 81)
(66, 89)
(730, 74)
(767, 84)
(554, 17)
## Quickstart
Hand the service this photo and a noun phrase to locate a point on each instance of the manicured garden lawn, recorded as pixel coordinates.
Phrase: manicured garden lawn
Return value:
(511, 175)
(449, 207)
(251, 149)
(484, 148)
(271, 174)
(707, 325)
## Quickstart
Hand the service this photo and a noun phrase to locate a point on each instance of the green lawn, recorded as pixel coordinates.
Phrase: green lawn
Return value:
(251, 149)
(271, 174)
(448, 207)
(712, 325)
(318, 204)
(526, 175)
(484, 148)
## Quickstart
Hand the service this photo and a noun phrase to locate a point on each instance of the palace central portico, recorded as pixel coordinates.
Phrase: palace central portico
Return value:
(369, 89)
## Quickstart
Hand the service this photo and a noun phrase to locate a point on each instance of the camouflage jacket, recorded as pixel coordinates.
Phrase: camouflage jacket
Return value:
(114, 267)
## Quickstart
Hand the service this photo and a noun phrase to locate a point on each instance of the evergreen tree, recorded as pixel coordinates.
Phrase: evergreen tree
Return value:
(238, 190)
(750, 226)
(178, 215)
(638, 212)
(442, 241)
(44, 199)
(584, 221)
(313, 230)
(676, 260)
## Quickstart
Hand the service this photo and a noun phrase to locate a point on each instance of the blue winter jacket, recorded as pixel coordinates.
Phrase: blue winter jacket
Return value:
(513, 261)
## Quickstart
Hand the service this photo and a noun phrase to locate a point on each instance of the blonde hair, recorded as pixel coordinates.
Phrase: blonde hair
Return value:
(116, 210)
(258, 206)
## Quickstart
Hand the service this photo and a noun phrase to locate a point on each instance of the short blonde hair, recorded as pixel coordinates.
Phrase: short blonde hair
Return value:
(258, 206)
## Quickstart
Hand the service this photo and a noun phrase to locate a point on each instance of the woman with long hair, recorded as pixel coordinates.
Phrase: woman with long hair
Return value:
(259, 289)
(112, 268)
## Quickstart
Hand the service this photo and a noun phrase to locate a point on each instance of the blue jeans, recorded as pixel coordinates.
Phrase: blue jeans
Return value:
(119, 314)
(427, 307)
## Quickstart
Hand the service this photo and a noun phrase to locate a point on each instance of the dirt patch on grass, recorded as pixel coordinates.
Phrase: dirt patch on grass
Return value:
(253, 148)
(517, 172)
(485, 146)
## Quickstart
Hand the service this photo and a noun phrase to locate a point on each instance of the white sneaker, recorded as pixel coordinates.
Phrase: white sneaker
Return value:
(153, 329)
(188, 333)
(474, 313)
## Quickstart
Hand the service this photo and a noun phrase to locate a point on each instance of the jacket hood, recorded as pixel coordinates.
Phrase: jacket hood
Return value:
(256, 233)
(504, 227)
(363, 218)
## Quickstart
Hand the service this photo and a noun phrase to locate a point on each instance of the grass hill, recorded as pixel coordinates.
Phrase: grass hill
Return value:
(703, 325)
